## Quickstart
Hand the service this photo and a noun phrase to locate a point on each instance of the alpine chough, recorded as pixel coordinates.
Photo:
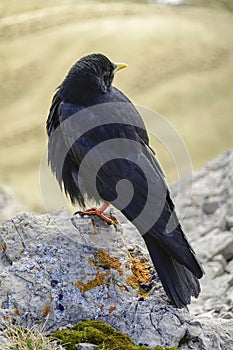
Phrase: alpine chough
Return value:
(93, 128)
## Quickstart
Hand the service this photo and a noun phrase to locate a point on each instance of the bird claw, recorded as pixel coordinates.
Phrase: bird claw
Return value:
(111, 220)
(114, 219)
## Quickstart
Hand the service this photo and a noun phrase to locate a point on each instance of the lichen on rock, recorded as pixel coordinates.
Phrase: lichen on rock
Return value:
(107, 261)
(54, 269)
(101, 260)
(140, 274)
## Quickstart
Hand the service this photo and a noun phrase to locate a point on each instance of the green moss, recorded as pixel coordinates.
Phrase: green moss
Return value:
(117, 341)
(101, 326)
(69, 337)
(101, 334)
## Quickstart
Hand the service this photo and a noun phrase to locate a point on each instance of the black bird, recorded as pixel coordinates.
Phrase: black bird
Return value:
(93, 128)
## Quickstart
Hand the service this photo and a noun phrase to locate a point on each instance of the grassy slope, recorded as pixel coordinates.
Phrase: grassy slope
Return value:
(180, 63)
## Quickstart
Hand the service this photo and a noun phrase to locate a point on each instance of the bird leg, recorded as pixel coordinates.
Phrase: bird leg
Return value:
(100, 212)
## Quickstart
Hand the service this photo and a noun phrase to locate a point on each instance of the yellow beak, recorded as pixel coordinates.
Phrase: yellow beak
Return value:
(120, 66)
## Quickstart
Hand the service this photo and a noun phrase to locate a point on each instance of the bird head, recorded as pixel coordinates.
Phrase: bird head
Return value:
(90, 76)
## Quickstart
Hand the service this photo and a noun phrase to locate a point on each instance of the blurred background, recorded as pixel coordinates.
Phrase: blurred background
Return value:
(180, 63)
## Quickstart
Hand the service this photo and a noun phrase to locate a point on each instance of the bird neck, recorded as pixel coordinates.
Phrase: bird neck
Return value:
(82, 93)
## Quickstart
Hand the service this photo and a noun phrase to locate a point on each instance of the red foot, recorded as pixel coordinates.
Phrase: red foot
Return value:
(99, 212)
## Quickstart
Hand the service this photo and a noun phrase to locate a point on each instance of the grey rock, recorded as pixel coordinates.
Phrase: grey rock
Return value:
(229, 295)
(216, 334)
(147, 315)
(51, 268)
(86, 346)
(51, 271)
(210, 207)
(3, 340)
(57, 345)
(221, 260)
(208, 224)
(60, 270)
(218, 242)
(229, 267)
(203, 333)
(229, 221)
(227, 315)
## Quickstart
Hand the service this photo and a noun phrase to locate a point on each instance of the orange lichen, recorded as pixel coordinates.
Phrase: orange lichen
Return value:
(100, 306)
(140, 273)
(127, 265)
(109, 281)
(95, 282)
(91, 262)
(46, 311)
(106, 260)
(111, 309)
(16, 312)
(122, 288)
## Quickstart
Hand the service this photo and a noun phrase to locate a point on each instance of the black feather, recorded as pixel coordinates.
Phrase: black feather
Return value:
(88, 84)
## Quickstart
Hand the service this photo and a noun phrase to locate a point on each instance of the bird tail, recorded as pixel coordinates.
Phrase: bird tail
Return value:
(178, 281)
(173, 257)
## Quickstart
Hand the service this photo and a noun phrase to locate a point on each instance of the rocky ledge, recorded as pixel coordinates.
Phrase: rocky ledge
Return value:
(63, 269)
(209, 225)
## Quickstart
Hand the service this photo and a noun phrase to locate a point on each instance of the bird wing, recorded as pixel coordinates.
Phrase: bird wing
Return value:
(84, 129)
(110, 152)
(89, 141)
(110, 143)
(60, 158)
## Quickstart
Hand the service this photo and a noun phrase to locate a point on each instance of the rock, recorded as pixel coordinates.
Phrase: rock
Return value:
(9, 204)
(210, 207)
(229, 267)
(3, 339)
(208, 224)
(86, 346)
(229, 221)
(49, 267)
(61, 270)
(64, 270)
(147, 316)
(216, 334)
(218, 242)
